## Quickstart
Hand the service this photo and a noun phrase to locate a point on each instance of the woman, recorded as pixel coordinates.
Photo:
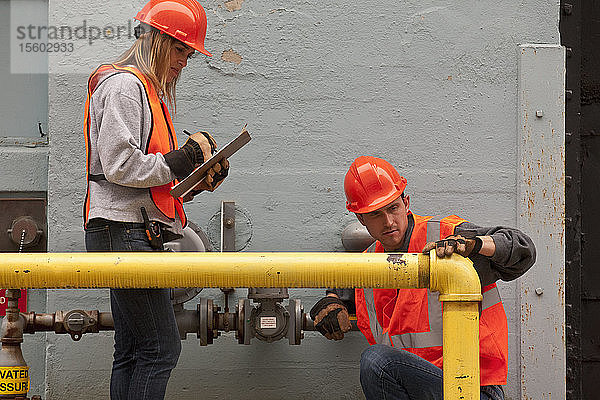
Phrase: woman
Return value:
(132, 162)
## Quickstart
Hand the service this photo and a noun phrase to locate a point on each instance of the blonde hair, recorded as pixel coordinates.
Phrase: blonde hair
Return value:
(151, 54)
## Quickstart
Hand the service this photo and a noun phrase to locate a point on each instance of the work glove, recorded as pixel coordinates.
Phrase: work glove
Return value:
(207, 144)
(331, 317)
(199, 147)
(214, 177)
(465, 244)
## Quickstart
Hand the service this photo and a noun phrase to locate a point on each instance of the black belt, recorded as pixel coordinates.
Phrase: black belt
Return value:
(96, 177)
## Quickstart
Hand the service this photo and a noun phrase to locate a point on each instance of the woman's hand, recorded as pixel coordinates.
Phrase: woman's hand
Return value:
(207, 143)
(214, 177)
(195, 151)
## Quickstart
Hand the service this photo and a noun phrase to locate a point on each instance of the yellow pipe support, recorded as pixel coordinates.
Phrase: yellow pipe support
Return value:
(453, 277)
(460, 291)
(143, 270)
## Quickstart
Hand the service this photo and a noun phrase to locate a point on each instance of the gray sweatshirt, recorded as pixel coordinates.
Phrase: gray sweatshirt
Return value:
(120, 122)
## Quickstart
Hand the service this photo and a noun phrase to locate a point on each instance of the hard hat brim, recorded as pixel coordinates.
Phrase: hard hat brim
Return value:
(375, 206)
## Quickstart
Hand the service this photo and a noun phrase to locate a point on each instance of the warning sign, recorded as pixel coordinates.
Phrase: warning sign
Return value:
(14, 380)
(22, 302)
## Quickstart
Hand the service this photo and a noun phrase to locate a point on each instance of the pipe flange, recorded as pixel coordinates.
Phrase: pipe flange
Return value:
(202, 321)
(294, 331)
(206, 324)
(461, 297)
(239, 312)
(210, 334)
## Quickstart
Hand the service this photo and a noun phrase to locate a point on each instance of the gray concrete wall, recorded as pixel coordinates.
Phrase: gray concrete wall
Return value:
(431, 86)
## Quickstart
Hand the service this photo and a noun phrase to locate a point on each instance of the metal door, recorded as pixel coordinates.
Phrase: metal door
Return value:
(580, 33)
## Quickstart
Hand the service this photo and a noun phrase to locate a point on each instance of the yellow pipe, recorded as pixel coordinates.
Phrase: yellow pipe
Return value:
(453, 277)
(460, 291)
(139, 270)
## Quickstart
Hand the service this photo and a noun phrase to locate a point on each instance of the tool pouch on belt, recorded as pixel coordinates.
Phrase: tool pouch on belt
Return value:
(153, 231)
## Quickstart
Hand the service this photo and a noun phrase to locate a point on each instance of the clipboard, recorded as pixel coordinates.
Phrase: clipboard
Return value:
(197, 175)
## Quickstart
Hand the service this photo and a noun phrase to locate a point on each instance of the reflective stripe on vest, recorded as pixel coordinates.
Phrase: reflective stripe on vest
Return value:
(433, 229)
(376, 329)
(435, 335)
(424, 339)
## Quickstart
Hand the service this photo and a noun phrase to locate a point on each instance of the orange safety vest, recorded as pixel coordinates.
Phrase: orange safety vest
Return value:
(411, 319)
(162, 140)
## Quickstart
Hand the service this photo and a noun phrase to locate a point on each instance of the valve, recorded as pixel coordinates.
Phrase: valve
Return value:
(25, 232)
(269, 321)
(78, 322)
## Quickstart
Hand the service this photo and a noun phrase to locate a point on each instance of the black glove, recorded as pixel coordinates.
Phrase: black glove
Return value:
(199, 147)
(183, 161)
(465, 244)
(331, 317)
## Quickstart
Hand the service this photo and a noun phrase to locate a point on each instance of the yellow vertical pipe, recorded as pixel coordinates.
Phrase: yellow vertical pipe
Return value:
(460, 293)
(461, 350)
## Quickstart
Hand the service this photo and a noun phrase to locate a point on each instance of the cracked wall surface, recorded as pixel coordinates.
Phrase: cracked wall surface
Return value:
(431, 86)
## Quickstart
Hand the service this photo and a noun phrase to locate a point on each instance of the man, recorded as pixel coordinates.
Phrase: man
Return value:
(404, 326)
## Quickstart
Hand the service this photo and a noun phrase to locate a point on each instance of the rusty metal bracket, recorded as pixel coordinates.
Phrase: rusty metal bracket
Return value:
(228, 226)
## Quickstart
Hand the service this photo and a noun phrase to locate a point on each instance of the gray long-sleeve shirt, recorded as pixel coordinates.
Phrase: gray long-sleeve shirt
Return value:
(515, 254)
(120, 125)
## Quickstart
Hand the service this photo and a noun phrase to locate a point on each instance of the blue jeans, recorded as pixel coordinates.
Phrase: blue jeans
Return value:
(388, 373)
(147, 343)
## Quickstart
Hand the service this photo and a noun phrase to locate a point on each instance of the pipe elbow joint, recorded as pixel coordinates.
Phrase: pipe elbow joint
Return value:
(454, 278)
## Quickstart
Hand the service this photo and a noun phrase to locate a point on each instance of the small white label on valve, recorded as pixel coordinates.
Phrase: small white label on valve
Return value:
(268, 322)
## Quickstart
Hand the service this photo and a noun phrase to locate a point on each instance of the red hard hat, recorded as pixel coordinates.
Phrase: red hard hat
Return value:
(371, 183)
(185, 20)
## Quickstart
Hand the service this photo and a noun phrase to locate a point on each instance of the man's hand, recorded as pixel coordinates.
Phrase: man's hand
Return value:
(331, 317)
(459, 244)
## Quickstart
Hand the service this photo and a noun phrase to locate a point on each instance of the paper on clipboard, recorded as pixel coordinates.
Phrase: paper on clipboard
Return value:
(193, 179)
